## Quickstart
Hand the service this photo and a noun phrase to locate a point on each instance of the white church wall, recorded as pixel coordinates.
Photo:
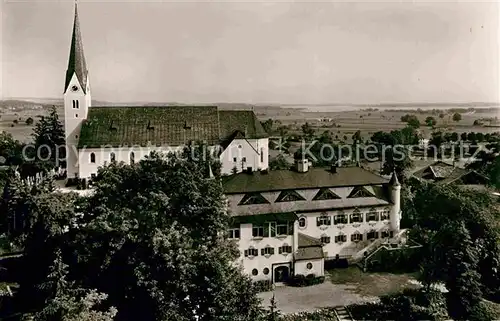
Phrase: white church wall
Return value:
(244, 153)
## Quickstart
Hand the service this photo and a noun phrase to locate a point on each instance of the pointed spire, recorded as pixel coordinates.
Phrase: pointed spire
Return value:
(76, 63)
(394, 180)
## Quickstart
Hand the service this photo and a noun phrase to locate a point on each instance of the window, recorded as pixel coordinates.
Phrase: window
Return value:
(341, 238)
(325, 194)
(359, 192)
(239, 146)
(93, 176)
(251, 252)
(372, 215)
(325, 239)
(76, 104)
(285, 249)
(372, 235)
(76, 115)
(112, 157)
(384, 215)
(233, 233)
(92, 158)
(265, 271)
(132, 157)
(258, 231)
(244, 159)
(262, 155)
(356, 237)
(384, 234)
(289, 196)
(309, 266)
(302, 222)
(323, 220)
(267, 251)
(356, 217)
(282, 228)
(76, 136)
(253, 198)
(340, 219)
(235, 159)
(255, 272)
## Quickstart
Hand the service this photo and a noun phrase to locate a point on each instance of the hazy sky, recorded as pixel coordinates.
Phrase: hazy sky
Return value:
(328, 52)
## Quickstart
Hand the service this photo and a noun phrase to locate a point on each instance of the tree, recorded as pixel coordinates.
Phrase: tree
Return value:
(459, 229)
(411, 120)
(356, 137)
(326, 137)
(273, 313)
(66, 303)
(279, 162)
(454, 137)
(308, 130)
(396, 160)
(479, 137)
(29, 121)
(49, 132)
(268, 125)
(430, 121)
(463, 136)
(457, 117)
(471, 137)
(152, 241)
(441, 115)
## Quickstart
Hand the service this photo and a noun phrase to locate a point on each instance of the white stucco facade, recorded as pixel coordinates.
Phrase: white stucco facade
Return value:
(347, 227)
(245, 153)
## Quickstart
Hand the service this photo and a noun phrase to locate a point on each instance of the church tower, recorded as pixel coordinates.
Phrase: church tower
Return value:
(76, 97)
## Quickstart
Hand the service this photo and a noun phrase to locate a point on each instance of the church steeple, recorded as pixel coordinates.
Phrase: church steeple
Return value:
(76, 64)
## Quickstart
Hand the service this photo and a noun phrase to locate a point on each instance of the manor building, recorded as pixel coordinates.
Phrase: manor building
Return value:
(99, 135)
(287, 222)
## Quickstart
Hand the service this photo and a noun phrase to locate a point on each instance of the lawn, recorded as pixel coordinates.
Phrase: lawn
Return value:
(371, 284)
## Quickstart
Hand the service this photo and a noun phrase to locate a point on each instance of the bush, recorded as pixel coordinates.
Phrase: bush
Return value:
(300, 280)
(263, 285)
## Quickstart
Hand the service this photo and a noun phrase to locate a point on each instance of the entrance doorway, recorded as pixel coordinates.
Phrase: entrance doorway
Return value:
(281, 274)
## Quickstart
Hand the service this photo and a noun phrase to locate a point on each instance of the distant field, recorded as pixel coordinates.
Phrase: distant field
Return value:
(341, 123)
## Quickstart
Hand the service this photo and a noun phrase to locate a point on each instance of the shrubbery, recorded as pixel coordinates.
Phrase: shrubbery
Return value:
(263, 285)
(302, 280)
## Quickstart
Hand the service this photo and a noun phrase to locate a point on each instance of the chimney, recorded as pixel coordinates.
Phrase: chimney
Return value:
(302, 165)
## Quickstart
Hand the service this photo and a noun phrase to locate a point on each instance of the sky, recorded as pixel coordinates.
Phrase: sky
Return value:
(256, 52)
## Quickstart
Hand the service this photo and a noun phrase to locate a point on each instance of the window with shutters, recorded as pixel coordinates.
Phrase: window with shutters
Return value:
(323, 220)
(258, 231)
(384, 214)
(340, 219)
(341, 238)
(325, 239)
(356, 217)
(267, 251)
(372, 235)
(251, 252)
(285, 249)
(356, 237)
(372, 215)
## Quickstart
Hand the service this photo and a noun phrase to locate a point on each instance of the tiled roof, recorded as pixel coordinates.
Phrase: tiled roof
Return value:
(306, 241)
(164, 125)
(243, 121)
(309, 253)
(287, 179)
(309, 248)
(76, 63)
(443, 173)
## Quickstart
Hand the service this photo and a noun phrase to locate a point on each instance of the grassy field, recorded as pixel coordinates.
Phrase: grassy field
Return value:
(340, 123)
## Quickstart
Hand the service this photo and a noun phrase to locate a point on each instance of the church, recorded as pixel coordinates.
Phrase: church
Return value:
(99, 135)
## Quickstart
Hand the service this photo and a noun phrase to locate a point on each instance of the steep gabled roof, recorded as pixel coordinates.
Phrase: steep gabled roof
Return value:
(243, 121)
(76, 63)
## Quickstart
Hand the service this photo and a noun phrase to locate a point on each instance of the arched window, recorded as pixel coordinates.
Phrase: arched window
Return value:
(92, 158)
(132, 157)
(112, 157)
